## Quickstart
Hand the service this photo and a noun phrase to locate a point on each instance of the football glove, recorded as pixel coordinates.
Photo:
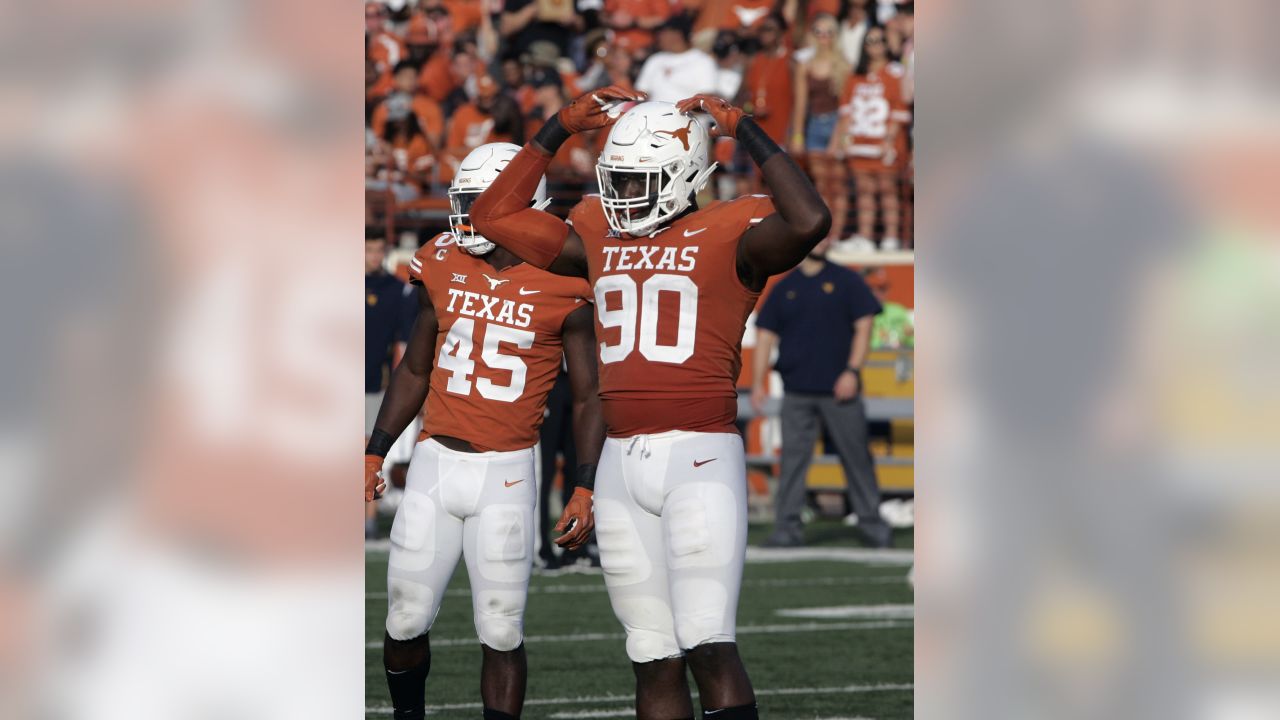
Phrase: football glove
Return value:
(726, 115)
(577, 521)
(374, 481)
(597, 109)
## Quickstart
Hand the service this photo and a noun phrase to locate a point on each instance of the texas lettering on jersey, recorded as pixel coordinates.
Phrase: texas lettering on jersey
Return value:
(670, 313)
(498, 349)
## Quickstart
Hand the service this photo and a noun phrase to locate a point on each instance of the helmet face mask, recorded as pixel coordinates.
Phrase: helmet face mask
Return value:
(460, 202)
(653, 162)
(476, 172)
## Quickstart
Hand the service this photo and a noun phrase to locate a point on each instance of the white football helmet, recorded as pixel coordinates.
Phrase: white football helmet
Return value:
(653, 162)
(476, 173)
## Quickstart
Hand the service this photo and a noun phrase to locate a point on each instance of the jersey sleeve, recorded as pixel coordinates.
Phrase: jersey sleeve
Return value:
(898, 110)
(415, 268)
(429, 252)
(757, 208)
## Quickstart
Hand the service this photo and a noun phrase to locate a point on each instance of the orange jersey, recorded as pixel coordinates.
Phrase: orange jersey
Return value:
(769, 93)
(871, 103)
(498, 349)
(670, 313)
(430, 117)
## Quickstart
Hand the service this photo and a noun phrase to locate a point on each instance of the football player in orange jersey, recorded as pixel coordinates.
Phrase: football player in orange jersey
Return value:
(673, 287)
(483, 354)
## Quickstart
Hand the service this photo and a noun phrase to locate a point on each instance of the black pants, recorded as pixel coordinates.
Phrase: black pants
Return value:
(555, 440)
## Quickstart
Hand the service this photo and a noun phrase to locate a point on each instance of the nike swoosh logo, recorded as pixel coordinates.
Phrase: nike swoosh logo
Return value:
(508, 483)
(691, 233)
(529, 292)
(700, 463)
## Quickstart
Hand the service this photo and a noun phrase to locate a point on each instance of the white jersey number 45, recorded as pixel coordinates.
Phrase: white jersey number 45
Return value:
(455, 356)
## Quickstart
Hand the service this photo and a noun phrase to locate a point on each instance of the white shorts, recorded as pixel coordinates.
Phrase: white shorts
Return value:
(479, 506)
(671, 522)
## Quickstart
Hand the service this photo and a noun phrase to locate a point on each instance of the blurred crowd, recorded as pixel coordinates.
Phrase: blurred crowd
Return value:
(830, 80)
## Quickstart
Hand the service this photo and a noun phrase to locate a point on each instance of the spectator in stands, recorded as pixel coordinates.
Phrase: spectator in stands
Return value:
(728, 64)
(633, 21)
(389, 310)
(676, 71)
(491, 117)
(406, 98)
(596, 73)
(736, 16)
(820, 319)
(870, 136)
(377, 84)
(429, 28)
(384, 46)
(820, 77)
(467, 15)
(620, 68)
(462, 78)
(854, 21)
(524, 22)
(766, 90)
(902, 45)
(410, 159)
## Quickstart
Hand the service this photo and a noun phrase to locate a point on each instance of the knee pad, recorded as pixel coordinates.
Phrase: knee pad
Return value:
(505, 536)
(702, 612)
(649, 631)
(646, 646)
(499, 618)
(410, 609)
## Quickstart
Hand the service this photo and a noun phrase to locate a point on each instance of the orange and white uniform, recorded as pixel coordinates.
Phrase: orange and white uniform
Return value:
(870, 104)
(498, 350)
(497, 354)
(670, 499)
(670, 316)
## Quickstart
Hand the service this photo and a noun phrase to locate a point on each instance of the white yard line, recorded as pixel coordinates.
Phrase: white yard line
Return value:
(846, 612)
(597, 699)
(853, 555)
(778, 629)
(598, 587)
(574, 715)
(767, 555)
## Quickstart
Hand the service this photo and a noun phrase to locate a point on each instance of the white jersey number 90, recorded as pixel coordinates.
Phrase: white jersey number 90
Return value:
(638, 306)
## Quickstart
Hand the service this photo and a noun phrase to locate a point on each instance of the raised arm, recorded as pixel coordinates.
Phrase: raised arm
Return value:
(405, 394)
(503, 214)
(782, 239)
(588, 425)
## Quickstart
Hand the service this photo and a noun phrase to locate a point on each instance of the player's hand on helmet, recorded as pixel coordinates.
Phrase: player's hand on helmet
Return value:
(577, 521)
(724, 113)
(597, 109)
(374, 481)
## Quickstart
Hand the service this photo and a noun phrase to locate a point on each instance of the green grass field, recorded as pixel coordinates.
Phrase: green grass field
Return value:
(849, 656)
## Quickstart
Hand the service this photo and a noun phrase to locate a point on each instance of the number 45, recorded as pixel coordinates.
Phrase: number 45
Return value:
(455, 356)
(641, 304)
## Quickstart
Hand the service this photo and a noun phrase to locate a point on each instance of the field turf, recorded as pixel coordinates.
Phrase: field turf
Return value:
(847, 652)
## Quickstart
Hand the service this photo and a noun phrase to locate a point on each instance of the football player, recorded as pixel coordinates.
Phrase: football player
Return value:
(483, 354)
(673, 287)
